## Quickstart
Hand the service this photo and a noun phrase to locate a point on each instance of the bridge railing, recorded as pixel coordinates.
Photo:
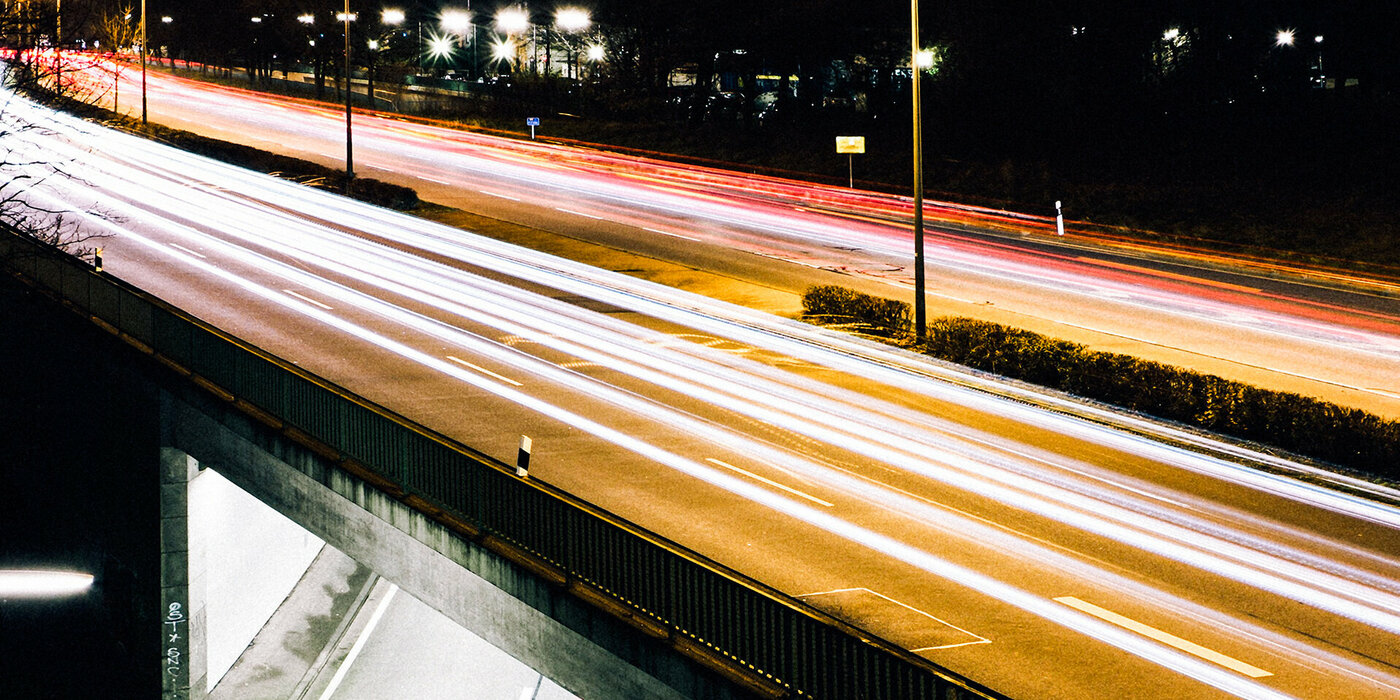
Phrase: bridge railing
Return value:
(698, 604)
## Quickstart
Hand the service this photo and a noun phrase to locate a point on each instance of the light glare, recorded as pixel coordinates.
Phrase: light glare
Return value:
(391, 16)
(572, 19)
(503, 50)
(455, 21)
(512, 20)
(1284, 37)
(42, 584)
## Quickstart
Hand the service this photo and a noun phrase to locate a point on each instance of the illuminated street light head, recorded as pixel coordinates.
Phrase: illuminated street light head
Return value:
(440, 47)
(1284, 37)
(392, 17)
(595, 52)
(512, 20)
(1171, 34)
(307, 18)
(455, 21)
(572, 19)
(1317, 39)
(925, 59)
(503, 50)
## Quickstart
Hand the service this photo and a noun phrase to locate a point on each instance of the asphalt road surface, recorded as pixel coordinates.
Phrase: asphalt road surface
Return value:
(993, 530)
(1318, 331)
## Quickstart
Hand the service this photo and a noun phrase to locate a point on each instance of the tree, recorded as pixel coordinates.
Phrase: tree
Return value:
(32, 68)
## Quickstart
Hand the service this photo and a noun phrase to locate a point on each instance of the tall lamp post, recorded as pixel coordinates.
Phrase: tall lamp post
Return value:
(143, 61)
(349, 135)
(920, 319)
(571, 20)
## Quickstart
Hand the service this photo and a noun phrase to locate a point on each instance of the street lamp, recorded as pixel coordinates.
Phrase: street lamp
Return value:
(390, 18)
(916, 51)
(503, 50)
(511, 21)
(1284, 37)
(570, 20)
(143, 61)
(346, 17)
(456, 22)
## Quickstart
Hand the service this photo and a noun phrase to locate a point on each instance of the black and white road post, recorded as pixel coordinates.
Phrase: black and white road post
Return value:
(522, 458)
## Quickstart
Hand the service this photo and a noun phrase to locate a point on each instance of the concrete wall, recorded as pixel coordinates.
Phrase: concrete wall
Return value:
(425, 559)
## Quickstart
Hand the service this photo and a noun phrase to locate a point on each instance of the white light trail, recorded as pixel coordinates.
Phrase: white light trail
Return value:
(305, 226)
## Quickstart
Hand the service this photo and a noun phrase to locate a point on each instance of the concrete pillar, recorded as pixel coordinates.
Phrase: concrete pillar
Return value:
(183, 658)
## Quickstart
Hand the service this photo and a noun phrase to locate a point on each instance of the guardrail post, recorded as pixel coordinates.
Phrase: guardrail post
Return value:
(522, 458)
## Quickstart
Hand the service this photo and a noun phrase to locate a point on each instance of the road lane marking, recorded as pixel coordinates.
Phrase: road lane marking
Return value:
(1164, 637)
(578, 213)
(770, 482)
(498, 194)
(433, 179)
(483, 370)
(187, 250)
(668, 233)
(359, 643)
(851, 609)
(305, 298)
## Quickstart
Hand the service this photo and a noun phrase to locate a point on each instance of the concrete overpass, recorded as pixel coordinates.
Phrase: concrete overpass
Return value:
(602, 607)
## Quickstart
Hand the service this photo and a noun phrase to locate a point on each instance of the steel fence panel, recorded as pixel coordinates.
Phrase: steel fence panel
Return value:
(755, 626)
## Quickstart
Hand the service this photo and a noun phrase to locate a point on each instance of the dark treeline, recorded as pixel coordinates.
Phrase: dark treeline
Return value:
(1128, 109)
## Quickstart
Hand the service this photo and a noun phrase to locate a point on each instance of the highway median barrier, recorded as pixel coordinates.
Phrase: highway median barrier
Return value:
(1347, 437)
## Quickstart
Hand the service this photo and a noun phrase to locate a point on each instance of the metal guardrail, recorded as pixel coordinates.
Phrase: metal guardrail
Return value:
(705, 610)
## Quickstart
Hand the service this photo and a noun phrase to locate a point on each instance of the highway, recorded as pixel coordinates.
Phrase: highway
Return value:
(990, 529)
(1317, 331)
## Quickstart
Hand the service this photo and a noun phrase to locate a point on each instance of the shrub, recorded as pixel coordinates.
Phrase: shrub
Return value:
(833, 305)
(1300, 424)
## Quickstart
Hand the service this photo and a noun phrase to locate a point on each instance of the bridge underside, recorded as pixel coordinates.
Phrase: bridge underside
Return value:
(146, 433)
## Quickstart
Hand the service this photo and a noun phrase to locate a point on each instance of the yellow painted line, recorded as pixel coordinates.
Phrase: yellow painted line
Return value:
(770, 482)
(1170, 639)
(483, 370)
(307, 299)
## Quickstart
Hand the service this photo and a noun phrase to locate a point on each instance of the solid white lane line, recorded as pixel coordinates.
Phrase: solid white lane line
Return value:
(770, 482)
(668, 233)
(1164, 637)
(578, 213)
(187, 250)
(304, 298)
(483, 370)
(359, 643)
(433, 179)
(498, 194)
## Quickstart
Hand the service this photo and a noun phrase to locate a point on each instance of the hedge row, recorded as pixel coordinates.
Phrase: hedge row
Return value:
(1300, 424)
(833, 305)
